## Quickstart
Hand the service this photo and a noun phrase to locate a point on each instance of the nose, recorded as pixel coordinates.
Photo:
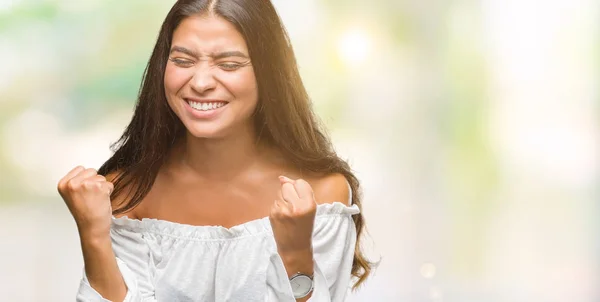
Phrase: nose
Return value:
(203, 79)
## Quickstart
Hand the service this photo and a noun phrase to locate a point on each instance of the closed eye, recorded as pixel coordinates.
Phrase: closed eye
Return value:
(182, 62)
(231, 66)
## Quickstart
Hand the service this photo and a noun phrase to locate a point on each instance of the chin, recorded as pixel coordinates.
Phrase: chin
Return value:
(205, 132)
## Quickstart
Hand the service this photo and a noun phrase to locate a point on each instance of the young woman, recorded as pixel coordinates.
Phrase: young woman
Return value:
(223, 187)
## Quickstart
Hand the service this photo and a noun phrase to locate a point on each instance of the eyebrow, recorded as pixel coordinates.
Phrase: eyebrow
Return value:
(216, 56)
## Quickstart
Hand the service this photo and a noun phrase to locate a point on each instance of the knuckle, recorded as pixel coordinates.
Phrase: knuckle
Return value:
(287, 214)
(90, 184)
(72, 186)
(86, 184)
(109, 189)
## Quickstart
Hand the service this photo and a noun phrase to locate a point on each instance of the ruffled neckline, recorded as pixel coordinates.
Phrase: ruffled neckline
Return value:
(215, 232)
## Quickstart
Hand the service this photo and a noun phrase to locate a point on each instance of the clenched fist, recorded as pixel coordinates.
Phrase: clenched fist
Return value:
(87, 196)
(292, 216)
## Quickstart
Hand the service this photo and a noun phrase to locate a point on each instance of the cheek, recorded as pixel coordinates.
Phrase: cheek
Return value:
(243, 86)
(175, 79)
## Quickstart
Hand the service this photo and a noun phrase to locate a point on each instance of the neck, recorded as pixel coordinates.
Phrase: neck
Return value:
(219, 158)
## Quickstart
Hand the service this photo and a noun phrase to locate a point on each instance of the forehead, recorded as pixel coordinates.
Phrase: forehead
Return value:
(208, 33)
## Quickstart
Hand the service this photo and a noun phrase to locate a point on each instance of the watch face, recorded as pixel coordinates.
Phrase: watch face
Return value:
(301, 285)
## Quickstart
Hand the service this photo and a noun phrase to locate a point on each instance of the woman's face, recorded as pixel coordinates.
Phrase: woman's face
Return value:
(209, 81)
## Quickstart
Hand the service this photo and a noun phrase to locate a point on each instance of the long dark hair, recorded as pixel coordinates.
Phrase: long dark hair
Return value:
(283, 118)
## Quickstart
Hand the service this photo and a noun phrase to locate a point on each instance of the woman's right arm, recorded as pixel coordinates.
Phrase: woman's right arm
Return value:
(134, 268)
(87, 195)
(101, 269)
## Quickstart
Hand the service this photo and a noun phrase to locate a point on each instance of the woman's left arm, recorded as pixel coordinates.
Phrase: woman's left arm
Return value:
(323, 247)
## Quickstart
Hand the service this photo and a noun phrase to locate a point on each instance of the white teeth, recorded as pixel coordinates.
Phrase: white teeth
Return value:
(206, 106)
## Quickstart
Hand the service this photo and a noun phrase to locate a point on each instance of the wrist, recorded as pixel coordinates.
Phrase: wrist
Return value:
(298, 261)
(92, 230)
(94, 237)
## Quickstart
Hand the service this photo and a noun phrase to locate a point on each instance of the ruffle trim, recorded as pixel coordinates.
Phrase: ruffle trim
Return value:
(250, 228)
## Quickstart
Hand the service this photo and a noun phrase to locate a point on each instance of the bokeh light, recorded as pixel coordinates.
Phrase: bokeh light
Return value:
(354, 46)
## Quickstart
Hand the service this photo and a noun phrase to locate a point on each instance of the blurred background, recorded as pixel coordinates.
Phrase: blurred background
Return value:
(473, 125)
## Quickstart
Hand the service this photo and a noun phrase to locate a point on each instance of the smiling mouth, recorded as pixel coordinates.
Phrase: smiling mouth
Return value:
(206, 106)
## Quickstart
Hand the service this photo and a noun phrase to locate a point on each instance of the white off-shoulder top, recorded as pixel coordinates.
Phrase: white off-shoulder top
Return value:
(167, 261)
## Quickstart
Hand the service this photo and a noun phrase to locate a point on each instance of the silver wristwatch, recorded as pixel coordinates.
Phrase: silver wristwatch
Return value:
(302, 285)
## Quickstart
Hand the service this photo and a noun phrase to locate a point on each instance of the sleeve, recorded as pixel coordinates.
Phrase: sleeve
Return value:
(334, 238)
(133, 259)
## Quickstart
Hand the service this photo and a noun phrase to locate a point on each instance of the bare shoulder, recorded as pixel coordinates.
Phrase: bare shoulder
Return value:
(331, 188)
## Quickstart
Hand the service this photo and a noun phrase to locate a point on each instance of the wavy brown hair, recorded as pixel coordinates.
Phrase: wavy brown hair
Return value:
(284, 117)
